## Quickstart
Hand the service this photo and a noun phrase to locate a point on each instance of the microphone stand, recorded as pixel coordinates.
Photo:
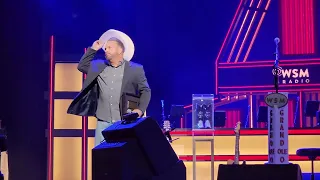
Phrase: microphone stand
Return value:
(162, 107)
(167, 125)
(276, 68)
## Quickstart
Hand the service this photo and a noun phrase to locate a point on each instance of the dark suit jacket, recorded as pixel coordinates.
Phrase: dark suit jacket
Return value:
(134, 82)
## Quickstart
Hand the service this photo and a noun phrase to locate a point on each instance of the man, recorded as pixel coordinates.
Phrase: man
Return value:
(107, 80)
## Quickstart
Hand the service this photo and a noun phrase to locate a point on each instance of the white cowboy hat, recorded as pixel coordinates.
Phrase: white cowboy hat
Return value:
(125, 39)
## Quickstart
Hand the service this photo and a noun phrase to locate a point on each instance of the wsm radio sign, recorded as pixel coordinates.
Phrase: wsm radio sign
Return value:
(295, 76)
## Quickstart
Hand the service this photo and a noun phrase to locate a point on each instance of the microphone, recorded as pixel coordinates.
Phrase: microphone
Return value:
(276, 40)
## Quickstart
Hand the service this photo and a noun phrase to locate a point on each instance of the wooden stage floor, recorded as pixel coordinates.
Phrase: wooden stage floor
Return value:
(253, 148)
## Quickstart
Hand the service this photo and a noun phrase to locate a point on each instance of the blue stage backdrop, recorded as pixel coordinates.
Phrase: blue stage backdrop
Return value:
(177, 42)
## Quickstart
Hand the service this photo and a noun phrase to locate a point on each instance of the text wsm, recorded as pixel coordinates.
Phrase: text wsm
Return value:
(295, 76)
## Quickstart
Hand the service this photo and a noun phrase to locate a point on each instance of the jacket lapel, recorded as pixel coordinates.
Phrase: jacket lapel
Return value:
(126, 75)
(95, 71)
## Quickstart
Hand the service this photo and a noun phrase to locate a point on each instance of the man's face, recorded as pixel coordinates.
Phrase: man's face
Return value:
(112, 50)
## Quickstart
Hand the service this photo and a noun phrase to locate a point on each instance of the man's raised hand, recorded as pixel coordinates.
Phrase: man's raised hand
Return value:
(97, 45)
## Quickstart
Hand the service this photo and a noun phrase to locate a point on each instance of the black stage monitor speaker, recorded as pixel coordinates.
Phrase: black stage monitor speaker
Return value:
(148, 144)
(260, 172)
(122, 160)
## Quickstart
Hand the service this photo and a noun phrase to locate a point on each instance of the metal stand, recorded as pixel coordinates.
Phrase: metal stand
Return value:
(312, 158)
(194, 141)
(277, 70)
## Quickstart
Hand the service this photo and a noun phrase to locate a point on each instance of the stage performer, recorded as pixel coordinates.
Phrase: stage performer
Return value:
(107, 79)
